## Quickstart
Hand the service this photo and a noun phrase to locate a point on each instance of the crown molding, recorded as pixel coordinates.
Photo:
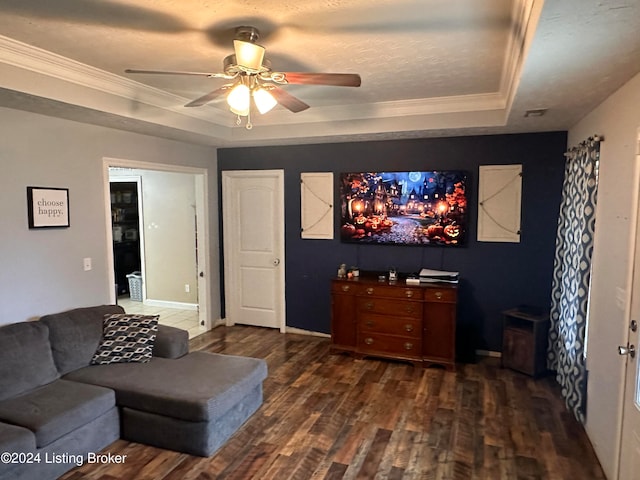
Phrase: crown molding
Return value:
(42, 62)
(52, 65)
(525, 16)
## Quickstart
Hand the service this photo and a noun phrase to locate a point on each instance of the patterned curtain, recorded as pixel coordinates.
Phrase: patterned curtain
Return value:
(572, 274)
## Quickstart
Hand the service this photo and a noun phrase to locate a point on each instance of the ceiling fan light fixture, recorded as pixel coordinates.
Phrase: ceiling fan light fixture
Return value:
(264, 100)
(239, 99)
(249, 55)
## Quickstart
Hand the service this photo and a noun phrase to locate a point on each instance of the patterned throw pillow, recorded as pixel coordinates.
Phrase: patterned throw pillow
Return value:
(126, 338)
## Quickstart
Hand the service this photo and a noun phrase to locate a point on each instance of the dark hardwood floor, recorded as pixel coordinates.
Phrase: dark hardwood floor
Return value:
(335, 417)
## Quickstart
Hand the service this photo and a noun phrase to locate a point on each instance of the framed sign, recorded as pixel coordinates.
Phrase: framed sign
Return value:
(48, 207)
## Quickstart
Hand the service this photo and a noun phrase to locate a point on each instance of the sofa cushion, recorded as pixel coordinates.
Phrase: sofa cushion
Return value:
(75, 335)
(25, 358)
(198, 387)
(126, 338)
(171, 342)
(16, 439)
(56, 409)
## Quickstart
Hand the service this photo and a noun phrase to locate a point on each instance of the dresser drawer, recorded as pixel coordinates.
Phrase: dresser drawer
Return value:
(387, 306)
(344, 287)
(440, 295)
(390, 345)
(391, 291)
(402, 326)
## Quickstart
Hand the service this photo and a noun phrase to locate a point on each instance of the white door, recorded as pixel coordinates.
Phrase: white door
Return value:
(630, 445)
(253, 226)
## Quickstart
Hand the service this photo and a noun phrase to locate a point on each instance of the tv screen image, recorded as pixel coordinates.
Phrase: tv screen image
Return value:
(404, 208)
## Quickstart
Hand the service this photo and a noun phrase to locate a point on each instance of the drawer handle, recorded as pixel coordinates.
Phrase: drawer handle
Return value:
(408, 327)
(369, 291)
(409, 309)
(369, 305)
(409, 293)
(408, 346)
(368, 341)
(438, 295)
(369, 323)
(345, 288)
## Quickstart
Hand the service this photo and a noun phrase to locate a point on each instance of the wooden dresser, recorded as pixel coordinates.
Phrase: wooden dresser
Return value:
(416, 323)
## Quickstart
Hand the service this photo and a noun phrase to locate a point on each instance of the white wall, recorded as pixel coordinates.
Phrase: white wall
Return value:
(41, 271)
(617, 119)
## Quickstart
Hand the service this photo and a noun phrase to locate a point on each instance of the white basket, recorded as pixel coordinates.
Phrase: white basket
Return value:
(135, 286)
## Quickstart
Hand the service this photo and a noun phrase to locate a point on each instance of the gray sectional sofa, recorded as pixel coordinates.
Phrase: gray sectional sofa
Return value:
(57, 409)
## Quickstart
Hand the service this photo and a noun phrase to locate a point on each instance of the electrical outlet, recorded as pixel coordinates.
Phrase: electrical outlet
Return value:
(87, 264)
(187, 288)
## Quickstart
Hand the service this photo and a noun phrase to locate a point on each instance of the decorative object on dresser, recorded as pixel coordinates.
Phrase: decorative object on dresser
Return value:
(394, 320)
(524, 344)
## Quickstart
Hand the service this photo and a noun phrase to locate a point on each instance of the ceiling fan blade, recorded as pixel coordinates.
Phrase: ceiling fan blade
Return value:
(335, 79)
(198, 102)
(287, 100)
(170, 72)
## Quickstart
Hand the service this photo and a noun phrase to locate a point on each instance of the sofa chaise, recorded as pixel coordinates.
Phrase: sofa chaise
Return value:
(57, 407)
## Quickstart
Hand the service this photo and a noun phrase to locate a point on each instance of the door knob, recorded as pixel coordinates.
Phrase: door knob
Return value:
(276, 262)
(630, 350)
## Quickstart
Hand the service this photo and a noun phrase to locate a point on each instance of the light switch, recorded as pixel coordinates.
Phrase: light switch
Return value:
(87, 264)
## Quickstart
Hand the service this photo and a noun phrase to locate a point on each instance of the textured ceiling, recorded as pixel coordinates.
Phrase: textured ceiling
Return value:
(428, 67)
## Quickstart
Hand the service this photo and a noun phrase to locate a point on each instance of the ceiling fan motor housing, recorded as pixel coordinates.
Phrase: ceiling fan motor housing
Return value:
(247, 34)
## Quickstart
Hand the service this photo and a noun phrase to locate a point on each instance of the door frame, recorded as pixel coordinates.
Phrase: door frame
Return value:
(229, 263)
(202, 206)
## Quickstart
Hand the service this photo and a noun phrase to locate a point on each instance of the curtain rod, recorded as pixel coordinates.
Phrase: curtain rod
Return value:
(584, 143)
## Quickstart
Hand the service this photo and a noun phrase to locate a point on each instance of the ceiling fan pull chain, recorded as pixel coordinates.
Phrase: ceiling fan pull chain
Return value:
(249, 125)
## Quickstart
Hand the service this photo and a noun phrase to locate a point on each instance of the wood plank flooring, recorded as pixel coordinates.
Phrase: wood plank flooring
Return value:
(334, 417)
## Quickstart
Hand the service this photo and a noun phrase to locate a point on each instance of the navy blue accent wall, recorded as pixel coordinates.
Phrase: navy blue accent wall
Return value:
(494, 276)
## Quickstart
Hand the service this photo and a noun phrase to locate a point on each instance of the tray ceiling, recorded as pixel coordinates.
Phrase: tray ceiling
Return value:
(428, 67)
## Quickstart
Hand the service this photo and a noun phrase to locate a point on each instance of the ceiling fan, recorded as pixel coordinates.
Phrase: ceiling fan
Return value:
(253, 79)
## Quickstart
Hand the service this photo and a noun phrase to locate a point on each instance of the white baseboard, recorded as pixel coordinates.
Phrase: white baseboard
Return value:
(167, 304)
(488, 353)
(297, 331)
(300, 331)
(218, 322)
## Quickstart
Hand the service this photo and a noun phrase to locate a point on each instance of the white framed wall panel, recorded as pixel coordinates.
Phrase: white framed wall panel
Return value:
(316, 205)
(499, 203)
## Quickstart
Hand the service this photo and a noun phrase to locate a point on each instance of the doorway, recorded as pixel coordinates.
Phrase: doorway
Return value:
(253, 232)
(174, 248)
(126, 216)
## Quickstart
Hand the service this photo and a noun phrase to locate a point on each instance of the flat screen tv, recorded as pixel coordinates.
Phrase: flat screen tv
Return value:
(404, 208)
